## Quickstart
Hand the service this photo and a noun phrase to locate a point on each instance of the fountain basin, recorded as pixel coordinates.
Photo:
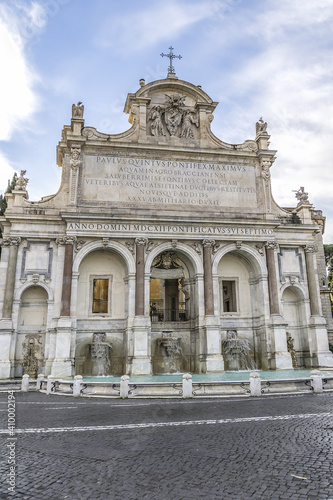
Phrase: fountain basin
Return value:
(204, 385)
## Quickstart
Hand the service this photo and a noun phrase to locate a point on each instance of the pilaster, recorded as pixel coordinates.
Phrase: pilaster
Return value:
(140, 363)
(208, 276)
(140, 244)
(13, 243)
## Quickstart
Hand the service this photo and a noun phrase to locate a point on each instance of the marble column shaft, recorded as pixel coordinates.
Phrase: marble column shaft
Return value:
(313, 294)
(10, 280)
(67, 281)
(208, 279)
(140, 278)
(272, 281)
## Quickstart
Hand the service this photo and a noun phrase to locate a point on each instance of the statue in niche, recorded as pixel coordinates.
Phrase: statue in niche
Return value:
(173, 112)
(291, 350)
(166, 260)
(77, 110)
(156, 126)
(185, 287)
(31, 352)
(21, 182)
(302, 196)
(261, 127)
(189, 118)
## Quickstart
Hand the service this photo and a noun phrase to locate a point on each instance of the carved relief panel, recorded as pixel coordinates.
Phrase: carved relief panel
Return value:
(174, 117)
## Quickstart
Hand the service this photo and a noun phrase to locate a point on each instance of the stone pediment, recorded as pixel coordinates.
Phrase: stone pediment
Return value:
(177, 113)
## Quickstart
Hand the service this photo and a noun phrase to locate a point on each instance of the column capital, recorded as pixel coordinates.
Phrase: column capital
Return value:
(310, 248)
(140, 276)
(66, 240)
(271, 244)
(141, 241)
(208, 243)
(10, 241)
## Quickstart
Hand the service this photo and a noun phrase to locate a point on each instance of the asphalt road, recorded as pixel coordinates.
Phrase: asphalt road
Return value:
(99, 449)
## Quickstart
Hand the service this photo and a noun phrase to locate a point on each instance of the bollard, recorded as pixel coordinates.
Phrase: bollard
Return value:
(50, 381)
(40, 379)
(316, 381)
(255, 384)
(124, 386)
(187, 386)
(77, 385)
(25, 383)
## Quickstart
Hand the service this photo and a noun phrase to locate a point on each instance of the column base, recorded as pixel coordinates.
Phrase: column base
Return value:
(213, 359)
(62, 368)
(321, 355)
(141, 366)
(5, 369)
(280, 358)
(6, 332)
(48, 367)
(283, 361)
(214, 363)
(323, 359)
(141, 359)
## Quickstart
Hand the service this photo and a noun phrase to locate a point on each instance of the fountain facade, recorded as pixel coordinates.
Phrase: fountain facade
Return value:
(237, 353)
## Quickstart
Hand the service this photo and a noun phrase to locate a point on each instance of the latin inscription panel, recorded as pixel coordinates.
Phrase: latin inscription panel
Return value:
(148, 181)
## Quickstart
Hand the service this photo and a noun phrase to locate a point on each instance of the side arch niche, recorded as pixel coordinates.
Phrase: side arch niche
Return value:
(102, 312)
(241, 307)
(31, 331)
(293, 310)
(173, 306)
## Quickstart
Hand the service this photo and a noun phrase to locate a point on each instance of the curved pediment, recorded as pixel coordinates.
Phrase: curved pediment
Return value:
(171, 111)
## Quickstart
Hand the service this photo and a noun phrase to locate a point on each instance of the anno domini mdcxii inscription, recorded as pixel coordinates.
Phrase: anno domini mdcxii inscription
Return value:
(140, 180)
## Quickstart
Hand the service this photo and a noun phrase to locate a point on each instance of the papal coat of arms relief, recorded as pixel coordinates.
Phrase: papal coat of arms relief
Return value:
(173, 118)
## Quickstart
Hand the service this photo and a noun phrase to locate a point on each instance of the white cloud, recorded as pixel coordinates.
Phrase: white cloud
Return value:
(144, 27)
(6, 172)
(18, 98)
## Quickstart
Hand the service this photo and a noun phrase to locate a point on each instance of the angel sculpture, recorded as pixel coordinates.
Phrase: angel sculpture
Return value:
(155, 115)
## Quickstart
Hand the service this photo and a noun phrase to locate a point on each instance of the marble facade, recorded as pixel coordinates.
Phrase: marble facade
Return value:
(162, 239)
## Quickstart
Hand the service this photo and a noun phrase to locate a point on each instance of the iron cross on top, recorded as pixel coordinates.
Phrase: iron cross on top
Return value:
(171, 56)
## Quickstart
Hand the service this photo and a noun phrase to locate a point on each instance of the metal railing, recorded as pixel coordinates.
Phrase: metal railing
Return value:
(159, 314)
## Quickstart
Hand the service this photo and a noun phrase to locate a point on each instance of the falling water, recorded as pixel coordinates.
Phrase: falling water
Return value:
(237, 352)
(100, 353)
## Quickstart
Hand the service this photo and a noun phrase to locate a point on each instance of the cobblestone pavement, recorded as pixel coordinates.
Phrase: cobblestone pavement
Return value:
(99, 449)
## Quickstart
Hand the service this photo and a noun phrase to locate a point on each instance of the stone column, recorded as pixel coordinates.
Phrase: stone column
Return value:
(140, 276)
(13, 242)
(318, 340)
(208, 276)
(141, 360)
(281, 358)
(310, 269)
(272, 281)
(212, 353)
(67, 274)
(62, 363)
(7, 337)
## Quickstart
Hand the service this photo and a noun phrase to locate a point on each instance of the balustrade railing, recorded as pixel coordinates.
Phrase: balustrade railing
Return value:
(158, 314)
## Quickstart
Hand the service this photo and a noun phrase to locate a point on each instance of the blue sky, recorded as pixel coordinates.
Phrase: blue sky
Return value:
(256, 58)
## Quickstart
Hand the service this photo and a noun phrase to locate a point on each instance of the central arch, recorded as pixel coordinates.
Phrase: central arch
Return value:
(174, 278)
